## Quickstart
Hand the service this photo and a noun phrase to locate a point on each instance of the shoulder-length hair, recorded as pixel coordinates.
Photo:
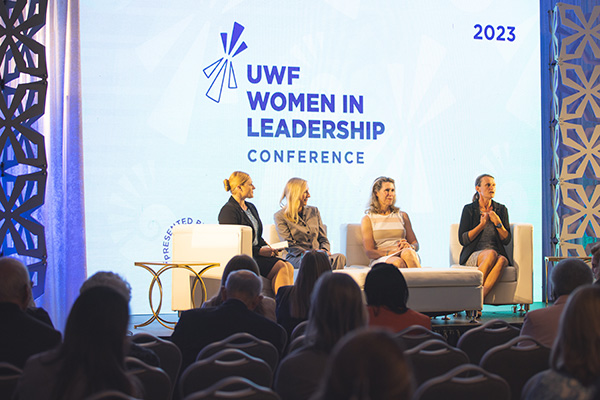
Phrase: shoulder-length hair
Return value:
(373, 206)
(385, 286)
(576, 350)
(367, 364)
(336, 308)
(291, 193)
(314, 263)
(92, 355)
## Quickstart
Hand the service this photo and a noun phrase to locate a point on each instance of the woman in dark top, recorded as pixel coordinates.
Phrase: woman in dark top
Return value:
(237, 211)
(484, 231)
(293, 302)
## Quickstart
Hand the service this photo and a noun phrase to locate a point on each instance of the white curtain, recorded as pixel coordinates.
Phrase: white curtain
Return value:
(63, 212)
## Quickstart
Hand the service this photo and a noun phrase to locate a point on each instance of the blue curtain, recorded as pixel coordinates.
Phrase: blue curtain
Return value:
(63, 212)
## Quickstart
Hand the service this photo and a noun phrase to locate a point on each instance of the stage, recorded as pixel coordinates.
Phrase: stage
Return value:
(450, 328)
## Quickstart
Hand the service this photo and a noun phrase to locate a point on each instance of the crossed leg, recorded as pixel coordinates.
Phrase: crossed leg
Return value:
(282, 274)
(408, 259)
(491, 264)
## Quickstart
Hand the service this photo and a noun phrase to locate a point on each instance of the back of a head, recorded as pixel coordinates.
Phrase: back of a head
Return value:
(385, 286)
(14, 282)
(97, 322)
(92, 354)
(243, 285)
(108, 279)
(568, 275)
(336, 308)
(313, 264)
(576, 350)
(367, 365)
(238, 263)
(595, 251)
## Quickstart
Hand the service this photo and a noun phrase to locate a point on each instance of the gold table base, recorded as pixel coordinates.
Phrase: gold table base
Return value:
(148, 266)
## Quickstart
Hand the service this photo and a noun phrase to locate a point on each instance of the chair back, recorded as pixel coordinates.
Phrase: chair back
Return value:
(155, 381)
(296, 344)
(228, 362)
(246, 342)
(235, 388)
(168, 353)
(9, 376)
(475, 342)
(415, 335)
(516, 361)
(299, 330)
(467, 381)
(434, 358)
(110, 395)
(204, 243)
(352, 245)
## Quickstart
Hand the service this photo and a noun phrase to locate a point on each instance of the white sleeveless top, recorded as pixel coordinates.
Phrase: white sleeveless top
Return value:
(387, 229)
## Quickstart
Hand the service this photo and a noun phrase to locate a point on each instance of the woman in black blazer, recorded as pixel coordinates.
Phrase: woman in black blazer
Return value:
(484, 230)
(237, 211)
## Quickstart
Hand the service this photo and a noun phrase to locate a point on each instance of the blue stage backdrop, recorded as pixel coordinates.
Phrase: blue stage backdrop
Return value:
(177, 95)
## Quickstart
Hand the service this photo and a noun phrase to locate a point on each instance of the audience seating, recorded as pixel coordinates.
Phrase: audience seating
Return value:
(515, 285)
(415, 335)
(516, 362)
(9, 376)
(229, 362)
(464, 382)
(475, 342)
(246, 342)
(167, 352)
(155, 381)
(296, 344)
(299, 330)
(109, 395)
(204, 243)
(434, 358)
(235, 388)
(432, 290)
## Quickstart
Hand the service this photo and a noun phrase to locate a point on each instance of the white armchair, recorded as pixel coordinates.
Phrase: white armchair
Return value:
(204, 243)
(516, 282)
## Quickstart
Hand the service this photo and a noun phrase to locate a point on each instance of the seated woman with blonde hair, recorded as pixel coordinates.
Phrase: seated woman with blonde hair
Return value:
(238, 211)
(386, 231)
(301, 225)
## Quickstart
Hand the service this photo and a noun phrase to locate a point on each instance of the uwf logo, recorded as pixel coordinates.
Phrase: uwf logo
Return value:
(219, 68)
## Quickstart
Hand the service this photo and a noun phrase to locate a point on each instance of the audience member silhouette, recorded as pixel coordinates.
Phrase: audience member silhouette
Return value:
(121, 286)
(367, 365)
(266, 307)
(387, 295)
(336, 308)
(575, 359)
(596, 262)
(21, 335)
(201, 326)
(293, 302)
(567, 275)
(91, 359)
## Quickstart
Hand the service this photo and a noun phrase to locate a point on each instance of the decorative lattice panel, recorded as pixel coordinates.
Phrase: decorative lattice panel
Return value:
(23, 167)
(575, 128)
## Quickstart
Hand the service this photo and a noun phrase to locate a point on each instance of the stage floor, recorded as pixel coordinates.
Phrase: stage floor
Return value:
(451, 328)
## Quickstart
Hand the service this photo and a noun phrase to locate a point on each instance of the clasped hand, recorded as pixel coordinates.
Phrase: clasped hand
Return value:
(489, 216)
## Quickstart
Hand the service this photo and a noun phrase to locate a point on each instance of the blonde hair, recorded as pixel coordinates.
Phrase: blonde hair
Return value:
(236, 179)
(292, 192)
(373, 206)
